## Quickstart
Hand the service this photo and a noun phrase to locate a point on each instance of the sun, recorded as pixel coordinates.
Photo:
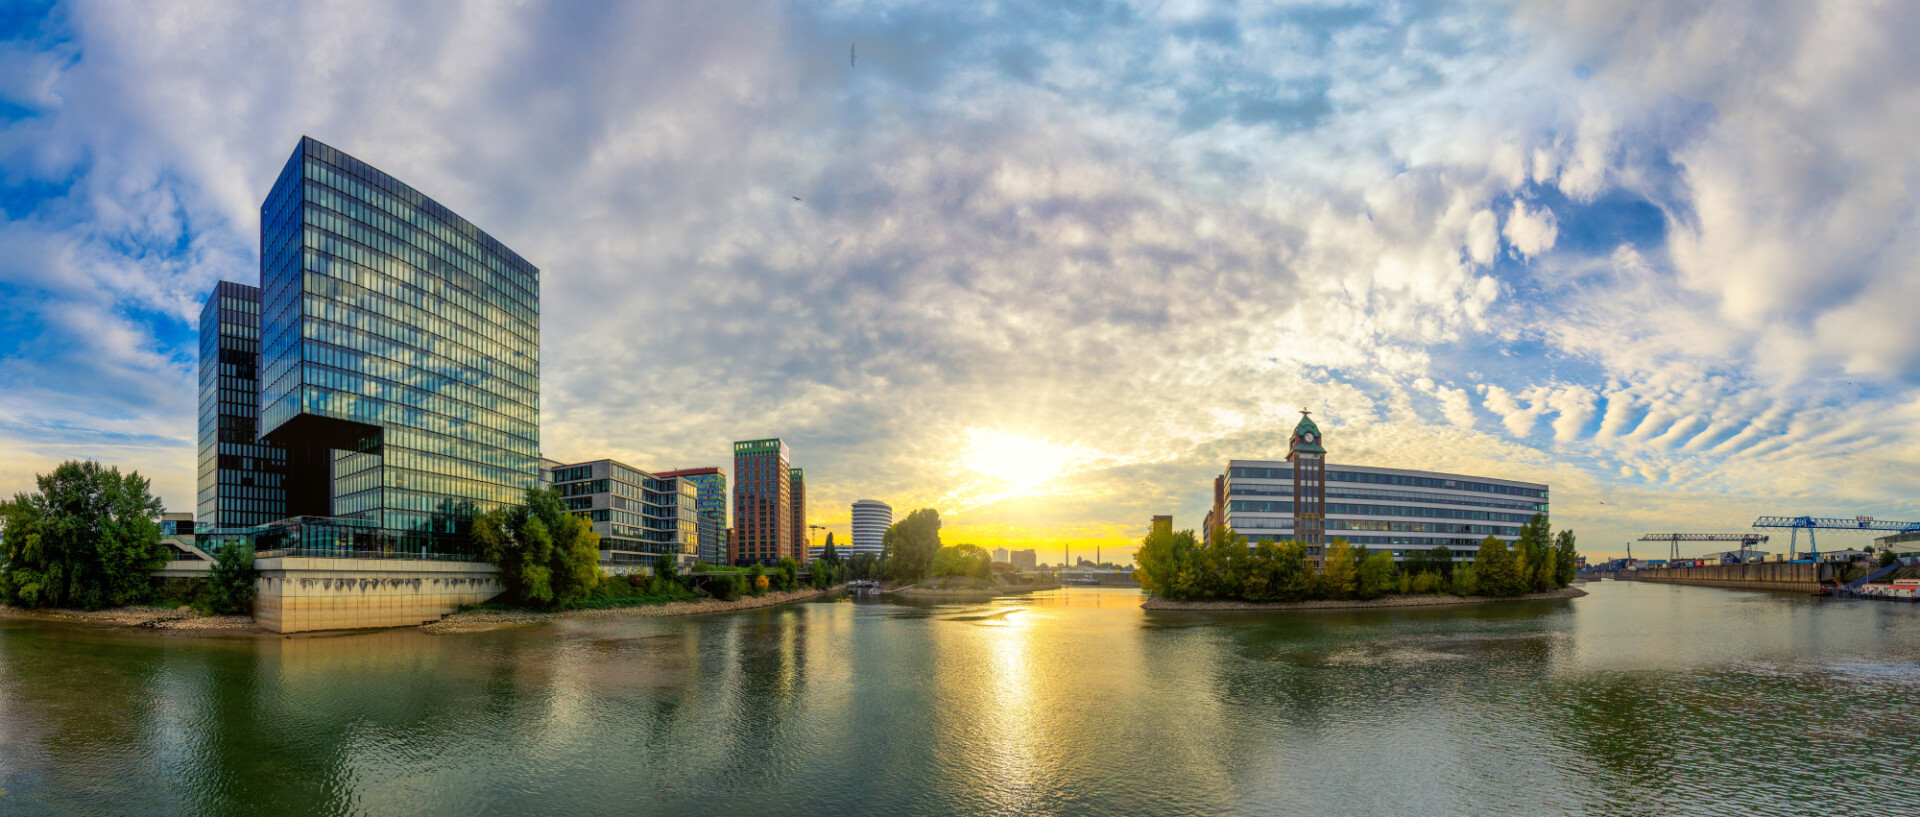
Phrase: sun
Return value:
(1020, 462)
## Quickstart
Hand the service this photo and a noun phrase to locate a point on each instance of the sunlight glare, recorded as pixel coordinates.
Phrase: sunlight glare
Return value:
(1018, 461)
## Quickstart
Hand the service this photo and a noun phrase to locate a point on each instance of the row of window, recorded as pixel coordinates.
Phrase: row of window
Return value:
(518, 365)
(509, 418)
(422, 212)
(512, 290)
(1259, 506)
(447, 290)
(364, 290)
(1390, 479)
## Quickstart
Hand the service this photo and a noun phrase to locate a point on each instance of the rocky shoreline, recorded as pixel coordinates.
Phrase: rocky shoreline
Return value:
(1389, 601)
(477, 621)
(142, 617)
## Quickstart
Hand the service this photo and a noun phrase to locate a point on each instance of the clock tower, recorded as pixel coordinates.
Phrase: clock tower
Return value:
(1309, 460)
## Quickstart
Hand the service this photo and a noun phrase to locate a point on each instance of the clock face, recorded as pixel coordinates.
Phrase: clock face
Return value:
(1307, 436)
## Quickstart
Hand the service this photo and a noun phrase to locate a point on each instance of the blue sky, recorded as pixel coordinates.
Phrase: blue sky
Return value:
(1052, 265)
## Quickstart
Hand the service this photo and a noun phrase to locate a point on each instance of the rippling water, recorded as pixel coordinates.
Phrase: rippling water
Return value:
(1638, 699)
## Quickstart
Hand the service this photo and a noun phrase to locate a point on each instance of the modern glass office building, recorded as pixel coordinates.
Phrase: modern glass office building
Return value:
(762, 502)
(711, 485)
(400, 351)
(242, 481)
(640, 517)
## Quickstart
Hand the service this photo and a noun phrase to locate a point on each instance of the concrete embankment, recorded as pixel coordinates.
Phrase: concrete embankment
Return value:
(1802, 578)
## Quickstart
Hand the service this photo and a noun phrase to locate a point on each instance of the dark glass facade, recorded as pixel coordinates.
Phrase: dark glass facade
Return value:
(762, 502)
(710, 485)
(400, 351)
(241, 480)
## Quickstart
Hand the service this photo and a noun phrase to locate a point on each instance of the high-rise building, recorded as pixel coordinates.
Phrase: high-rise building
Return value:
(1028, 559)
(797, 494)
(762, 502)
(400, 357)
(640, 517)
(871, 518)
(1161, 524)
(1000, 554)
(712, 506)
(242, 480)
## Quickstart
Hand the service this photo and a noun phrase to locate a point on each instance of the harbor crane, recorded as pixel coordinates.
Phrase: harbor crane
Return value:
(1746, 540)
(1810, 524)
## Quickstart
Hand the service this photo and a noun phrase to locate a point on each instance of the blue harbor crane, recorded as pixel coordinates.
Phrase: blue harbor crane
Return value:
(1747, 541)
(1813, 523)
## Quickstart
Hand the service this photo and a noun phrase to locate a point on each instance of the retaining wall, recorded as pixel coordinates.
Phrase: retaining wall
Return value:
(1759, 576)
(297, 594)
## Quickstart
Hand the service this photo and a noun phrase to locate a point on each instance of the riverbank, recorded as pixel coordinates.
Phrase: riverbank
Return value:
(142, 617)
(477, 621)
(1388, 601)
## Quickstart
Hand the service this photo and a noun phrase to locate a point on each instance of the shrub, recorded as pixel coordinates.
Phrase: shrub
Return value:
(230, 579)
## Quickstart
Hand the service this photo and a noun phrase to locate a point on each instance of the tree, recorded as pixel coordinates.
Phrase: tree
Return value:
(963, 560)
(1496, 570)
(1534, 557)
(87, 539)
(546, 555)
(910, 544)
(1340, 573)
(828, 553)
(1169, 564)
(1566, 559)
(1376, 574)
(230, 579)
(787, 573)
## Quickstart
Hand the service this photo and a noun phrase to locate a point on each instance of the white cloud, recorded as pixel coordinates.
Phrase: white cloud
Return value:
(1531, 232)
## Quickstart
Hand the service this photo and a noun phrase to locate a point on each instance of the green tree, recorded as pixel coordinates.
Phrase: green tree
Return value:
(1536, 564)
(1566, 559)
(910, 545)
(1340, 573)
(1497, 570)
(828, 553)
(230, 579)
(87, 539)
(1168, 565)
(547, 556)
(1376, 575)
(786, 574)
(963, 560)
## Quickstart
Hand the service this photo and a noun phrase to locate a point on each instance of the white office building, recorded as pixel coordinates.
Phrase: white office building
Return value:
(871, 518)
(1391, 509)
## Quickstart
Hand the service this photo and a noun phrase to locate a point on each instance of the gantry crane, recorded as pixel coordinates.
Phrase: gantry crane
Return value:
(1746, 540)
(1810, 524)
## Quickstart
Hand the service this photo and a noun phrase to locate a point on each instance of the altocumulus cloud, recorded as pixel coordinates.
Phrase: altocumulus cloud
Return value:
(1656, 254)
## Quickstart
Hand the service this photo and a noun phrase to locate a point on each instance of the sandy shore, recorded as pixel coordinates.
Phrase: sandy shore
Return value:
(475, 621)
(151, 618)
(1389, 601)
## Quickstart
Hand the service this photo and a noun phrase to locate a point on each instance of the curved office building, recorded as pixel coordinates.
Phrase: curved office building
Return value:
(871, 518)
(400, 351)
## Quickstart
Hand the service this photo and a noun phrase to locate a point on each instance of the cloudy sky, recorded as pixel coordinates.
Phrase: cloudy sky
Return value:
(1053, 263)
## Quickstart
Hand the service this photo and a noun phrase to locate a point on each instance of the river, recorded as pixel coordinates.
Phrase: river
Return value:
(1637, 699)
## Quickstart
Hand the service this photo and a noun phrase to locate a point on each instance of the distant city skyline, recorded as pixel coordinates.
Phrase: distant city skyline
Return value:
(1042, 270)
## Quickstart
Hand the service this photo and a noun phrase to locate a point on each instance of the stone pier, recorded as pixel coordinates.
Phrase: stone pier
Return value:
(298, 594)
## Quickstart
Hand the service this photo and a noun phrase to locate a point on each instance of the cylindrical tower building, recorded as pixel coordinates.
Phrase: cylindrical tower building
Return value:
(871, 518)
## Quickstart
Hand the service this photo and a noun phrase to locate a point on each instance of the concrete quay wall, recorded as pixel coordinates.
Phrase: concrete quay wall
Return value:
(300, 594)
(1758, 576)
